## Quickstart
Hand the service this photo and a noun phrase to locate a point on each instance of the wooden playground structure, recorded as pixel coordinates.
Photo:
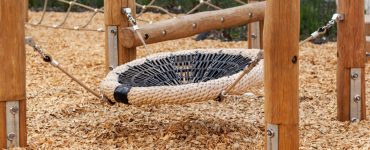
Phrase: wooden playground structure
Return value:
(280, 21)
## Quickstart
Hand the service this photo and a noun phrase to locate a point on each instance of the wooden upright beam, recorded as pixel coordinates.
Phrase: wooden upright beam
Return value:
(351, 55)
(12, 70)
(25, 6)
(281, 69)
(114, 17)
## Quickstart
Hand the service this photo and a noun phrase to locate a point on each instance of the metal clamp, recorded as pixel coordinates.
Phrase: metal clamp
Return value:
(272, 134)
(131, 19)
(338, 17)
(12, 123)
(355, 95)
(113, 47)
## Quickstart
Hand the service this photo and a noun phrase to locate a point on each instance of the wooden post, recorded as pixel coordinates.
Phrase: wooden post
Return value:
(115, 18)
(351, 61)
(255, 32)
(26, 2)
(281, 72)
(12, 74)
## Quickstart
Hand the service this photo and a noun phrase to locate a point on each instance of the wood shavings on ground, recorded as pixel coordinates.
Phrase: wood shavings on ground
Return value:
(63, 115)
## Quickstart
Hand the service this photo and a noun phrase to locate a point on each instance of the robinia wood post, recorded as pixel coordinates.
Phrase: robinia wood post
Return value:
(351, 61)
(281, 72)
(26, 2)
(255, 31)
(115, 20)
(12, 75)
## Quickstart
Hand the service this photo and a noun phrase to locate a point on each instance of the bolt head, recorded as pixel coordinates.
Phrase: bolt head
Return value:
(270, 133)
(222, 19)
(357, 98)
(194, 25)
(250, 14)
(355, 120)
(354, 76)
(11, 136)
(14, 109)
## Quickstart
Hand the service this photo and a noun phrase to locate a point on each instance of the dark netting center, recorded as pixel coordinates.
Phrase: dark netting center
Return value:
(183, 69)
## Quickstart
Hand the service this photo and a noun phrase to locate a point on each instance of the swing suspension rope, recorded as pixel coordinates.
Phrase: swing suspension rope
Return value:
(47, 58)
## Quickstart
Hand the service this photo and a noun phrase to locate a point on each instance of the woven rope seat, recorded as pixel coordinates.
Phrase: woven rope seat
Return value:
(181, 77)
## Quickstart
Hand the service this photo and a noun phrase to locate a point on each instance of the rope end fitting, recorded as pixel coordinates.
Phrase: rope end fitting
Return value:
(338, 17)
(29, 41)
(106, 99)
(221, 96)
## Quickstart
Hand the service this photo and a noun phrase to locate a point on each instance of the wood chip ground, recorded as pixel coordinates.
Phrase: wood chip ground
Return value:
(63, 115)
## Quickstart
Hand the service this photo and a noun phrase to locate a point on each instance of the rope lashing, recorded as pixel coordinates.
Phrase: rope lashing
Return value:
(322, 30)
(47, 58)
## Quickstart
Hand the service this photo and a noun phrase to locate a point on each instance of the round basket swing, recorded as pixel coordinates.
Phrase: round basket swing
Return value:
(182, 77)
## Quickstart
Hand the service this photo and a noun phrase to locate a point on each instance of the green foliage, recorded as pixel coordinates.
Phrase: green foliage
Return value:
(314, 13)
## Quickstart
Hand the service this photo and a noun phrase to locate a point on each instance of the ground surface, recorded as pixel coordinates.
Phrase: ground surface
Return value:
(63, 115)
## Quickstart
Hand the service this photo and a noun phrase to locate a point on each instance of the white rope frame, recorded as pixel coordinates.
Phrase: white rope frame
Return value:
(187, 93)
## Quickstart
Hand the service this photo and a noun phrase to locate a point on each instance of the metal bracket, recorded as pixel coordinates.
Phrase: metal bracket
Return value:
(355, 96)
(272, 137)
(112, 47)
(256, 38)
(12, 123)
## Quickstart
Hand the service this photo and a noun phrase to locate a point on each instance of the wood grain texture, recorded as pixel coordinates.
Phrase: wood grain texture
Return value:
(114, 17)
(25, 6)
(3, 138)
(189, 25)
(22, 123)
(12, 51)
(13, 66)
(351, 54)
(281, 38)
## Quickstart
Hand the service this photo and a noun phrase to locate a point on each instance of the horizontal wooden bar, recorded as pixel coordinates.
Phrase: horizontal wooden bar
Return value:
(189, 25)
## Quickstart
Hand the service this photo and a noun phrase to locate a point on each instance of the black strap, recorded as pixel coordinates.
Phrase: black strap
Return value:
(121, 94)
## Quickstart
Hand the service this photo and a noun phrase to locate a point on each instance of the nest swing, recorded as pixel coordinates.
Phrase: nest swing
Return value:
(182, 77)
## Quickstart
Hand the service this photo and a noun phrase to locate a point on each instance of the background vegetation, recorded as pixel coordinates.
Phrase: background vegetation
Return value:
(314, 13)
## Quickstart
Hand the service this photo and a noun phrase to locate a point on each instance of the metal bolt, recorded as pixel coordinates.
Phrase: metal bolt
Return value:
(164, 32)
(222, 19)
(113, 31)
(250, 15)
(194, 25)
(11, 136)
(14, 109)
(357, 98)
(254, 36)
(354, 76)
(270, 133)
(354, 120)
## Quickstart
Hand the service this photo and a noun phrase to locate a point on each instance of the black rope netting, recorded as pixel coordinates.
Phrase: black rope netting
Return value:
(183, 69)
